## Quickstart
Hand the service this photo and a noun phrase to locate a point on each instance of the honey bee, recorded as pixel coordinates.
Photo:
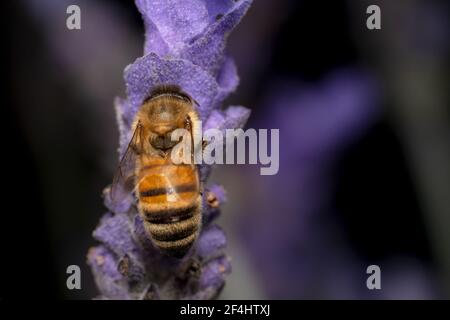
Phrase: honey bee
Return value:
(168, 195)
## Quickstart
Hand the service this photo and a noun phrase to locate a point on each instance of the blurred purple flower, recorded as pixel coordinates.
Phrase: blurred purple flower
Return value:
(298, 256)
(291, 228)
(185, 46)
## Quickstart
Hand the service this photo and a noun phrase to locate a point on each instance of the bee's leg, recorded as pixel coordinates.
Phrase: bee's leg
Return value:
(188, 123)
(204, 144)
(163, 154)
(158, 153)
(136, 149)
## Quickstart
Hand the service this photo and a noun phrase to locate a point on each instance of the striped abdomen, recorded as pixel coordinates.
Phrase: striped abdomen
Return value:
(170, 204)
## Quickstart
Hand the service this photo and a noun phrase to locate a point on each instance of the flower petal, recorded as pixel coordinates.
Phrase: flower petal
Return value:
(108, 279)
(211, 243)
(207, 50)
(177, 20)
(115, 231)
(214, 273)
(233, 117)
(150, 71)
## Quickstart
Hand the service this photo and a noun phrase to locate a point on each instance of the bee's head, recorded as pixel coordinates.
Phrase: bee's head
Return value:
(165, 116)
(166, 111)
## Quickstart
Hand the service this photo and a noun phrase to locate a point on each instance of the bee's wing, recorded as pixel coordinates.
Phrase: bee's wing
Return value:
(123, 181)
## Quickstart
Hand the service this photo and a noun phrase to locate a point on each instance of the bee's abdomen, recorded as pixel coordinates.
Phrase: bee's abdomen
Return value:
(175, 232)
(166, 184)
(175, 238)
(170, 204)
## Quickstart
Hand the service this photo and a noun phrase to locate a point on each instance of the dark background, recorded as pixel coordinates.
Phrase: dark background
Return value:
(385, 183)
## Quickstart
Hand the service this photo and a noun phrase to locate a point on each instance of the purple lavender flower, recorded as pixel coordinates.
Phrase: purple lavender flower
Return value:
(300, 258)
(184, 46)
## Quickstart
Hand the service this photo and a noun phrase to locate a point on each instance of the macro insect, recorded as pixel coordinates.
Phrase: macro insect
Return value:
(168, 194)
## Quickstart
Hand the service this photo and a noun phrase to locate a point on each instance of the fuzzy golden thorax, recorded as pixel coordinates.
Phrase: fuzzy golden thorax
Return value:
(159, 117)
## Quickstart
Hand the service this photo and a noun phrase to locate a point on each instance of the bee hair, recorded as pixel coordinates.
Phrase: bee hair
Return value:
(169, 90)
